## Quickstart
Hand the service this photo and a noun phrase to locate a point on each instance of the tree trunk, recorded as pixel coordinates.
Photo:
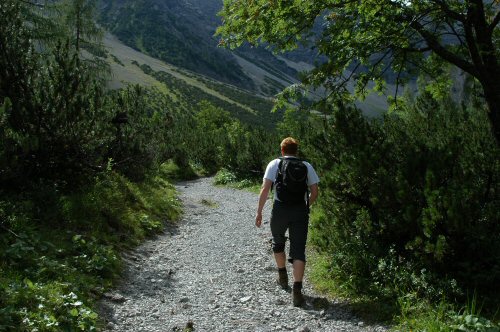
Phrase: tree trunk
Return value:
(484, 57)
(491, 89)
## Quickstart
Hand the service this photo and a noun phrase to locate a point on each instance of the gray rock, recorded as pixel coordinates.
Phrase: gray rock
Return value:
(115, 297)
(245, 299)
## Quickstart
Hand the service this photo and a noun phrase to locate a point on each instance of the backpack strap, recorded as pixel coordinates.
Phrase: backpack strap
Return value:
(277, 173)
(307, 195)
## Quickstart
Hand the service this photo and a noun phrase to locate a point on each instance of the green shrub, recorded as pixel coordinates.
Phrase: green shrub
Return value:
(224, 142)
(52, 270)
(49, 307)
(225, 177)
(410, 204)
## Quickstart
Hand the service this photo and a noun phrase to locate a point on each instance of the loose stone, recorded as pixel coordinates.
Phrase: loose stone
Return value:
(215, 272)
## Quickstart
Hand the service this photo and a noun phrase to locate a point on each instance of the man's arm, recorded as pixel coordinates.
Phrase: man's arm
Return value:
(313, 189)
(264, 192)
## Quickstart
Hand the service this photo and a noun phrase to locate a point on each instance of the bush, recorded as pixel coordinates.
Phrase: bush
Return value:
(55, 263)
(225, 177)
(224, 142)
(410, 203)
(151, 131)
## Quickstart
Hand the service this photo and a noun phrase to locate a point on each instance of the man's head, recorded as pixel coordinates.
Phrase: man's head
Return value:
(289, 146)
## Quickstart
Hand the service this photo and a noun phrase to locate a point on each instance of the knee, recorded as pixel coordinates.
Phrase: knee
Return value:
(278, 247)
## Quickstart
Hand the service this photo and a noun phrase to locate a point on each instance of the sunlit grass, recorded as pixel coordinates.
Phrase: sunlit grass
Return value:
(53, 271)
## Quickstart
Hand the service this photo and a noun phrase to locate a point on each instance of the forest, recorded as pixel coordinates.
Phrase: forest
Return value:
(407, 223)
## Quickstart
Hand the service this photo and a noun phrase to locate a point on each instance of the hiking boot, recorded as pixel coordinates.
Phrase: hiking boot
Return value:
(298, 298)
(282, 279)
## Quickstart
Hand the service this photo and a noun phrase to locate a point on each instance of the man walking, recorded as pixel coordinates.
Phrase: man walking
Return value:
(296, 188)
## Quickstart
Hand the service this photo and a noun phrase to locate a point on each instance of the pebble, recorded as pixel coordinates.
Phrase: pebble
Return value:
(115, 297)
(214, 272)
(245, 299)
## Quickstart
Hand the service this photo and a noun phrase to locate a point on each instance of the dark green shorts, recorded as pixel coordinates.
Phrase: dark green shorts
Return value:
(295, 218)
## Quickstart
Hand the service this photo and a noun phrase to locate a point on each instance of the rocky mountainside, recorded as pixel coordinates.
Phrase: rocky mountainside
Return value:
(181, 32)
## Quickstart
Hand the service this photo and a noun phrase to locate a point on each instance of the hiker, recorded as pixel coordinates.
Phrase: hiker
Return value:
(295, 190)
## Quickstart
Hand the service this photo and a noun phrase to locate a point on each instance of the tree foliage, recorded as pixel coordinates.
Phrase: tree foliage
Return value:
(365, 40)
(221, 141)
(409, 204)
(78, 19)
(83, 169)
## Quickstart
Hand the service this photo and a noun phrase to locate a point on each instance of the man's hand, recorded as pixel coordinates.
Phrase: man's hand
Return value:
(264, 191)
(258, 219)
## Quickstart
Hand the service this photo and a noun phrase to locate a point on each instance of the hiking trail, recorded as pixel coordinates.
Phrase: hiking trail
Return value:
(215, 272)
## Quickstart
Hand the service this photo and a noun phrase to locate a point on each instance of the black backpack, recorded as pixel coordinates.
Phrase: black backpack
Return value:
(291, 181)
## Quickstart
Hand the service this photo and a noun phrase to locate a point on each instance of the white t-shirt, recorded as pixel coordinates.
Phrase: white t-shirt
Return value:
(272, 172)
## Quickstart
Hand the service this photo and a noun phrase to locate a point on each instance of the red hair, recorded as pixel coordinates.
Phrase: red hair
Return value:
(289, 146)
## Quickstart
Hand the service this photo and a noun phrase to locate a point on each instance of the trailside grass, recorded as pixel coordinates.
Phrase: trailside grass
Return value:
(54, 270)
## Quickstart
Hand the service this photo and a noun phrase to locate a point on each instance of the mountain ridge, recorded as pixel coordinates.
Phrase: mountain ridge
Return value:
(185, 88)
(182, 33)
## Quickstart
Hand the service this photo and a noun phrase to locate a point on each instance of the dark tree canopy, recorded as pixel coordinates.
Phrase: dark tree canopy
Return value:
(364, 39)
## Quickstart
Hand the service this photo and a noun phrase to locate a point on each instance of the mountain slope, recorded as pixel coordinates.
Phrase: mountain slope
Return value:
(181, 32)
(184, 87)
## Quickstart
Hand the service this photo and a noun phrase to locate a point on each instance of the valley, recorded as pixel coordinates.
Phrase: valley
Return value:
(177, 37)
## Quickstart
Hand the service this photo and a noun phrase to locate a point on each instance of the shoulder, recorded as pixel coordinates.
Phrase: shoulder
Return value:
(273, 163)
(272, 169)
(309, 166)
(312, 176)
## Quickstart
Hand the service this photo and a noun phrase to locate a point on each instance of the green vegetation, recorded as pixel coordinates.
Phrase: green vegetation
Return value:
(408, 210)
(378, 40)
(118, 61)
(223, 142)
(225, 177)
(154, 30)
(407, 220)
(266, 66)
(259, 112)
(57, 262)
(85, 172)
(261, 105)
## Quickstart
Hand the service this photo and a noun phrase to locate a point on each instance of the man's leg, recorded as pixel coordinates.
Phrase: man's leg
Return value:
(298, 270)
(298, 236)
(280, 258)
(298, 274)
(278, 229)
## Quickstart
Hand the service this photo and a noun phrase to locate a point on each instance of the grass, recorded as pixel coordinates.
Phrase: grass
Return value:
(408, 312)
(369, 309)
(230, 179)
(171, 171)
(53, 270)
(209, 203)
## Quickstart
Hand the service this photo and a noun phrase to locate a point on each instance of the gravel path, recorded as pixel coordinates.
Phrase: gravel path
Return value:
(214, 272)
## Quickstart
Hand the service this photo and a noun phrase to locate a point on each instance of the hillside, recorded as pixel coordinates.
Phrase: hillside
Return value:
(182, 33)
(184, 87)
